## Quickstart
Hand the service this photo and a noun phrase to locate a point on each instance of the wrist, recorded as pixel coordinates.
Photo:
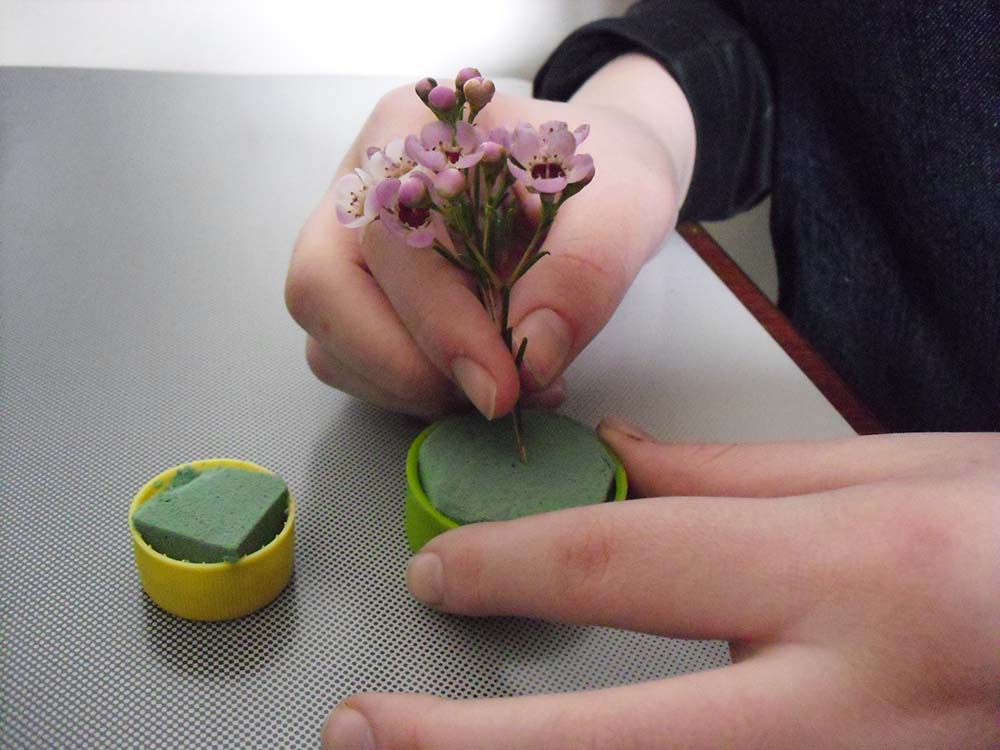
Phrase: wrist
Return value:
(640, 88)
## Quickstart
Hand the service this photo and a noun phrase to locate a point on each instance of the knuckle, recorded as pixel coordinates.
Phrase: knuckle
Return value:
(583, 286)
(584, 559)
(300, 296)
(600, 268)
(465, 584)
(321, 365)
(412, 376)
(582, 726)
(919, 542)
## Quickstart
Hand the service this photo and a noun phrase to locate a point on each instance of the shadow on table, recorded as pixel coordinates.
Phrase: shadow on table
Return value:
(238, 646)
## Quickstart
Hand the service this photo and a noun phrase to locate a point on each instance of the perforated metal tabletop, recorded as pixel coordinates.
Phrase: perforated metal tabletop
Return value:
(145, 227)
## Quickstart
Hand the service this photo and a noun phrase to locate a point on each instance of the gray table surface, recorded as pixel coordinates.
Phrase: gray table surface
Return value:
(145, 226)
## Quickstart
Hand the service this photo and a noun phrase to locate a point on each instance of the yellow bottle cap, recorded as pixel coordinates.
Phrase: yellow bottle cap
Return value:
(213, 591)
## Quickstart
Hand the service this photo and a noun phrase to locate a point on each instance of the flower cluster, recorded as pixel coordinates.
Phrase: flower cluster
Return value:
(455, 186)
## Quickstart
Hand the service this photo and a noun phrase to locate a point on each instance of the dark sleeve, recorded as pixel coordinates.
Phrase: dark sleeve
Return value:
(721, 72)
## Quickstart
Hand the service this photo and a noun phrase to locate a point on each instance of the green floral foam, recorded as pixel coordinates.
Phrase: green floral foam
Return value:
(470, 471)
(218, 515)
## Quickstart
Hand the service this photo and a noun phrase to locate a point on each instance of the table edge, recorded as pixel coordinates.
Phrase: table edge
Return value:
(840, 395)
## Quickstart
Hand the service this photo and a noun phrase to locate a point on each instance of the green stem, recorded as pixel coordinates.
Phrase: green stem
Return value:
(488, 231)
(472, 246)
(488, 272)
(522, 450)
(508, 338)
(475, 188)
(540, 230)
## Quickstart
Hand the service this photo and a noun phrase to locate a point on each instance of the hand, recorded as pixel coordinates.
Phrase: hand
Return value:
(861, 594)
(402, 328)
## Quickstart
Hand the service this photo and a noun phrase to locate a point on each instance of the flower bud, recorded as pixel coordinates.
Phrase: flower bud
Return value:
(492, 152)
(424, 88)
(466, 74)
(479, 92)
(441, 97)
(449, 183)
(412, 192)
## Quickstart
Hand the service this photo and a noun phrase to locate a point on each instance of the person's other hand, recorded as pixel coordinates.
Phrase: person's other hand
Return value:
(857, 580)
(402, 328)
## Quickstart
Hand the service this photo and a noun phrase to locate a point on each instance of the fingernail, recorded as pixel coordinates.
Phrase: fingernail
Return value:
(347, 729)
(621, 427)
(477, 384)
(549, 339)
(425, 577)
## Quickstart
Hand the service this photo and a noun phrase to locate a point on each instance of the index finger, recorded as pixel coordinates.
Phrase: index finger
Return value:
(683, 567)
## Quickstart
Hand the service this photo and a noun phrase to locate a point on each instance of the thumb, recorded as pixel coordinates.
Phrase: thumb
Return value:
(566, 298)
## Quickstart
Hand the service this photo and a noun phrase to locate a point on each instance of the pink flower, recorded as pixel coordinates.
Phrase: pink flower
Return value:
(500, 136)
(390, 161)
(552, 128)
(415, 224)
(546, 161)
(356, 202)
(441, 146)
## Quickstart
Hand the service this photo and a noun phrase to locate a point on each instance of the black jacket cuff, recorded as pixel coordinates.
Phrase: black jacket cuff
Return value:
(721, 72)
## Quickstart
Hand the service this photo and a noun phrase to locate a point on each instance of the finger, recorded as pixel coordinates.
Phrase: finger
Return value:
(783, 469)
(567, 297)
(781, 701)
(435, 302)
(551, 398)
(329, 369)
(692, 568)
(330, 293)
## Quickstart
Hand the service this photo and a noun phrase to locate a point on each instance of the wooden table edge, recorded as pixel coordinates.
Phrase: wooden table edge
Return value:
(812, 364)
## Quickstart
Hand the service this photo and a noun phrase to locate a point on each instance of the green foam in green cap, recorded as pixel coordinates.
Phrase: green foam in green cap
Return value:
(214, 516)
(470, 471)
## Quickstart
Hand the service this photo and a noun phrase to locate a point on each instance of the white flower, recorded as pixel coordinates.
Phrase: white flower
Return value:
(355, 196)
(391, 161)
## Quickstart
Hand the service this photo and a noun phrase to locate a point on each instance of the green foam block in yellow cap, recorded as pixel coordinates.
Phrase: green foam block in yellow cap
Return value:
(213, 539)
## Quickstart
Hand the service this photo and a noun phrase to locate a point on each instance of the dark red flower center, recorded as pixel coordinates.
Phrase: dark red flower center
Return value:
(413, 217)
(453, 156)
(547, 170)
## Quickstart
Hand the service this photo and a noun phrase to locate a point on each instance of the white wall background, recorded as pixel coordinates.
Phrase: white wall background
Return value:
(361, 37)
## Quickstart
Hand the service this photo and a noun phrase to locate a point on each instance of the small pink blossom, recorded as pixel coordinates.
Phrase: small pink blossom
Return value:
(492, 152)
(413, 192)
(546, 161)
(441, 97)
(495, 146)
(356, 201)
(417, 225)
(465, 75)
(449, 183)
(423, 88)
(441, 146)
